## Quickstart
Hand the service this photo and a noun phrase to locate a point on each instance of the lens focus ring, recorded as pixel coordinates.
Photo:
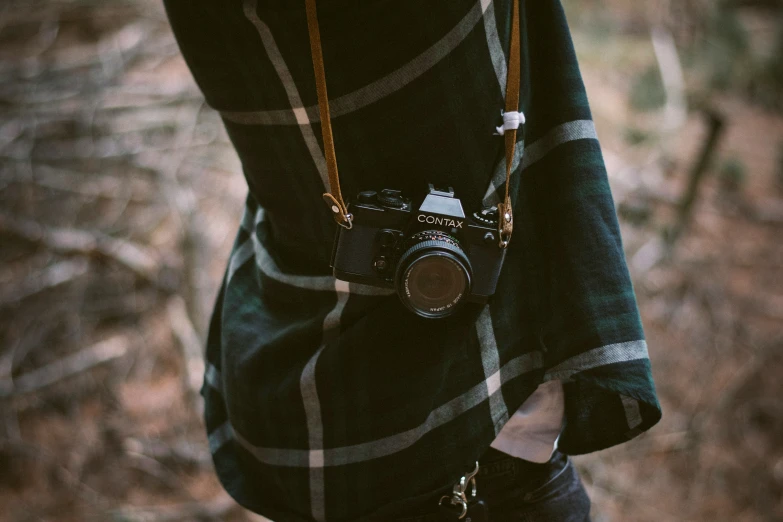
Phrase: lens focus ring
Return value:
(433, 275)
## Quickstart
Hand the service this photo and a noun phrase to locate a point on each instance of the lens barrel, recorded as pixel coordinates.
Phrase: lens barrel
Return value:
(433, 274)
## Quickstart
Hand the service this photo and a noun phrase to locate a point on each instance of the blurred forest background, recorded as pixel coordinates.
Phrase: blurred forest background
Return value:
(120, 196)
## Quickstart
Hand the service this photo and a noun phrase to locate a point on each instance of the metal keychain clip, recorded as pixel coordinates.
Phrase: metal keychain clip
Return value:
(458, 498)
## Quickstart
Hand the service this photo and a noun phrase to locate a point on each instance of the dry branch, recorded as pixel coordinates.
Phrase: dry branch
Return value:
(105, 186)
(676, 109)
(140, 259)
(766, 212)
(154, 469)
(192, 355)
(37, 13)
(215, 509)
(709, 147)
(53, 276)
(181, 453)
(81, 361)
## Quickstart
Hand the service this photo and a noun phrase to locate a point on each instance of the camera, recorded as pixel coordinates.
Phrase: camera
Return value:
(433, 255)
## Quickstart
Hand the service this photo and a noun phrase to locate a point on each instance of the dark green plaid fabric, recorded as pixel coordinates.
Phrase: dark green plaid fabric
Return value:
(329, 401)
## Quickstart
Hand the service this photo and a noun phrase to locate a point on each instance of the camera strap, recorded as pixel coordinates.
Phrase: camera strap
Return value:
(334, 198)
(505, 213)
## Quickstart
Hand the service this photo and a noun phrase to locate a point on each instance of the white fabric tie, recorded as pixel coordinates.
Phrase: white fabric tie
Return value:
(511, 120)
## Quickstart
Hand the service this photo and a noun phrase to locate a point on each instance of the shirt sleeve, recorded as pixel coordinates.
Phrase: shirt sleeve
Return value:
(591, 328)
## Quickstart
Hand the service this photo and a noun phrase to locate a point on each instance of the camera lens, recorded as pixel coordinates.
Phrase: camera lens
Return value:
(433, 275)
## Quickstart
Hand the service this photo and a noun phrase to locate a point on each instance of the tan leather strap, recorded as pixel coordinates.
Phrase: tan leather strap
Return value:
(505, 213)
(334, 198)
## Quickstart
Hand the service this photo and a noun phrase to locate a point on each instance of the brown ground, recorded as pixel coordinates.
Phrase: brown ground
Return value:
(104, 137)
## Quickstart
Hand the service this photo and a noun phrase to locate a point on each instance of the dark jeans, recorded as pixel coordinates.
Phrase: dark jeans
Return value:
(518, 490)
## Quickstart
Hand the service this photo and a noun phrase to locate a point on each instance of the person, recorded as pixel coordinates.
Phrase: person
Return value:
(329, 400)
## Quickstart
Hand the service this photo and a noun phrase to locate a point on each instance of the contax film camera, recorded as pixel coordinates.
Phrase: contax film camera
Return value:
(434, 256)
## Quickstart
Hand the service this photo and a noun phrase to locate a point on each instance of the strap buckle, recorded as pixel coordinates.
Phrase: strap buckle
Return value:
(339, 212)
(505, 223)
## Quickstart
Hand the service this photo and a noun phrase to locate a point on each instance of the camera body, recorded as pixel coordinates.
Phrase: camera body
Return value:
(433, 254)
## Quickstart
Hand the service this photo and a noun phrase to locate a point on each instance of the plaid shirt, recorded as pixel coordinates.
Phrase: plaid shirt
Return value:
(330, 401)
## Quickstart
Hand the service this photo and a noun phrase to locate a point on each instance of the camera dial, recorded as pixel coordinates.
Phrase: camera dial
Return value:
(391, 198)
(487, 216)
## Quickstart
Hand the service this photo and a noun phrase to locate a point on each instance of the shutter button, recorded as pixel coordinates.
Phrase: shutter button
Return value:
(369, 197)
